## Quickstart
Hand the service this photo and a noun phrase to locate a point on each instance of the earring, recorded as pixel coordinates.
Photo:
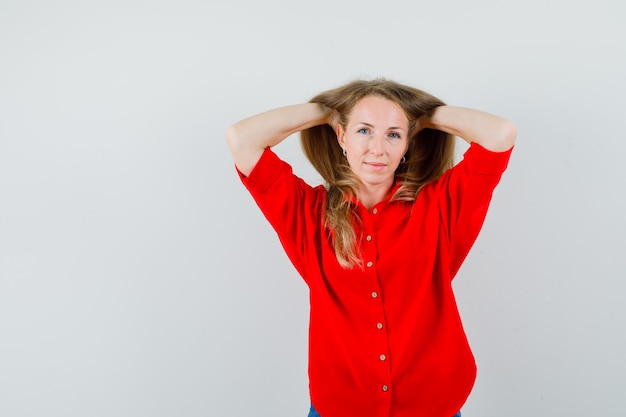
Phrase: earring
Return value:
(403, 160)
(344, 152)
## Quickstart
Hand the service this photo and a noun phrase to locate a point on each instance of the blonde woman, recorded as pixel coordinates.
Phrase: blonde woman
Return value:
(379, 244)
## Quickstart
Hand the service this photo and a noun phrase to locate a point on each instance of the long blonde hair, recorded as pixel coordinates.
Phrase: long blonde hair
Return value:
(429, 155)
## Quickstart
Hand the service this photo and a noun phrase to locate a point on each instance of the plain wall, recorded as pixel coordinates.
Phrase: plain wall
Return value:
(138, 278)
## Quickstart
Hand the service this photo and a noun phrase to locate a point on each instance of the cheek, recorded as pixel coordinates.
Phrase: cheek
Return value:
(356, 147)
(401, 149)
(406, 146)
(354, 160)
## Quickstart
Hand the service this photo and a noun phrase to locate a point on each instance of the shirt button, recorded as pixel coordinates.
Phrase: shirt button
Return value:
(368, 238)
(385, 388)
(375, 211)
(369, 264)
(379, 326)
(374, 294)
(383, 357)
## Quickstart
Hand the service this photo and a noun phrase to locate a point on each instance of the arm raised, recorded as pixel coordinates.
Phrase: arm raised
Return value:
(248, 138)
(490, 131)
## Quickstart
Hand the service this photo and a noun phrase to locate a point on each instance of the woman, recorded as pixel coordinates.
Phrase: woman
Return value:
(379, 245)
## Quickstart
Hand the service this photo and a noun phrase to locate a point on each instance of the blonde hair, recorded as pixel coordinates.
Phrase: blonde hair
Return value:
(429, 155)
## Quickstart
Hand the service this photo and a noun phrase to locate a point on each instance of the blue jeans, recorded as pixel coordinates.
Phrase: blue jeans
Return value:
(313, 413)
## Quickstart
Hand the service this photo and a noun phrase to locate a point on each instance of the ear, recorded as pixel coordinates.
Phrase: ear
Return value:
(340, 135)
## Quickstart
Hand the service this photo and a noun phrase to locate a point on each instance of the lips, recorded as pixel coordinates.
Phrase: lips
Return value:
(377, 166)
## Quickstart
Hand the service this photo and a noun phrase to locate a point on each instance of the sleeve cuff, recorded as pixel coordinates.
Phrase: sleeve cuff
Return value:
(486, 162)
(267, 170)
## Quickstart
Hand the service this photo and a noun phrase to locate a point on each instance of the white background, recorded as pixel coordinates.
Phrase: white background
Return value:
(138, 278)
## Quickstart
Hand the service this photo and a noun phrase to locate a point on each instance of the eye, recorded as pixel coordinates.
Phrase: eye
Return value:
(394, 135)
(363, 131)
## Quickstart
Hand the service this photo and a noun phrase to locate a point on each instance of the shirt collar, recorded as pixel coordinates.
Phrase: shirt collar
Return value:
(396, 185)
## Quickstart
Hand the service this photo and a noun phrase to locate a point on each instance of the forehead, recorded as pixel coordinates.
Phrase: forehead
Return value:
(377, 110)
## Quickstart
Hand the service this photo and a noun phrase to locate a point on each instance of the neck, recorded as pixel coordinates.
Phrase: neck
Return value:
(371, 194)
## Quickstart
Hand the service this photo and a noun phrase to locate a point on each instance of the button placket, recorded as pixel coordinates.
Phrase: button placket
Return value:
(370, 255)
(369, 250)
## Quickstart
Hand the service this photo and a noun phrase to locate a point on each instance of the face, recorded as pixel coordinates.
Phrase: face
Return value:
(375, 140)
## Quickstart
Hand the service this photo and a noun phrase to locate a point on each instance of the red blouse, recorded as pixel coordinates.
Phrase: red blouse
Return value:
(386, 340)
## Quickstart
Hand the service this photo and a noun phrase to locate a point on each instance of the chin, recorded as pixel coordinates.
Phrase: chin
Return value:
(376, 179)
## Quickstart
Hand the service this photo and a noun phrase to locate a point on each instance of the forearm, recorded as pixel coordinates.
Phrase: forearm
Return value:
(248, 138)
(492, 132)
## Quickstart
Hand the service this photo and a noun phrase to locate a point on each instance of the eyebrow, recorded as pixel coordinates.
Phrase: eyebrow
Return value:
(389, 128)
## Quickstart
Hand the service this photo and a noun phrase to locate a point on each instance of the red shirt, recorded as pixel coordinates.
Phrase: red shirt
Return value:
(386, 340)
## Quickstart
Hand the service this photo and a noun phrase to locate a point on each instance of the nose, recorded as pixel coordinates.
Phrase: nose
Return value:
(377, 145)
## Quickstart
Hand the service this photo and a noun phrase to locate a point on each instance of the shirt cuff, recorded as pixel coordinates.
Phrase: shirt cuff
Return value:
(486, 162)
(267, 170)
